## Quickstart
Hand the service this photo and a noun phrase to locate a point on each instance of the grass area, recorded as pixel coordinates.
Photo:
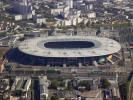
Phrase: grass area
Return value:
(53, 71)
(3, 33)
(1, 54)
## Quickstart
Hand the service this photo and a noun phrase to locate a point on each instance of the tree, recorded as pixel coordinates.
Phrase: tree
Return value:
(105, 83)
(124, 90)
(43, 25)
(53, 71)
(54, 98)
(62, 84)
(68, 99)
(54, 84)
(69, 87)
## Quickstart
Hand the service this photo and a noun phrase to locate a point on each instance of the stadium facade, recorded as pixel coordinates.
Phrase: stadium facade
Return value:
(63, 50)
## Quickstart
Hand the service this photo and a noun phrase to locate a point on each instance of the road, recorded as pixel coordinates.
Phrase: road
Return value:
(130, 90)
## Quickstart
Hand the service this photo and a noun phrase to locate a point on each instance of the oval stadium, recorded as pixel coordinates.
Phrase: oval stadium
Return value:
(63, 50)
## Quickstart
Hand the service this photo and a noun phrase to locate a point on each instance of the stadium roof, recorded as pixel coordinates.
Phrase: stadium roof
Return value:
(102, 46)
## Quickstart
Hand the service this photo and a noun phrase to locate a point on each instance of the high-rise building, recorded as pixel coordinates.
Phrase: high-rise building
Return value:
(22, 6)
(23, 9)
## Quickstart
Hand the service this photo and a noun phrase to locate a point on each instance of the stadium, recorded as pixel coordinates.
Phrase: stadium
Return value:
(63, 51)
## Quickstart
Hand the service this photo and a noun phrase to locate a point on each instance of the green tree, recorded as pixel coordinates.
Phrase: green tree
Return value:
(62, 84)
(124, 90)
(105, 83)
(54, 84)
(54, 98)
(68, 99)
(53, 71)
(69, 87)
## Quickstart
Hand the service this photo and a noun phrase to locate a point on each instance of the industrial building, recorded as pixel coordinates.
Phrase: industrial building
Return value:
(43, 83)
(21, 84)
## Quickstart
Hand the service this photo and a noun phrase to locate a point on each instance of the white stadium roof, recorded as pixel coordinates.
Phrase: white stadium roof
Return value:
(102, 46)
